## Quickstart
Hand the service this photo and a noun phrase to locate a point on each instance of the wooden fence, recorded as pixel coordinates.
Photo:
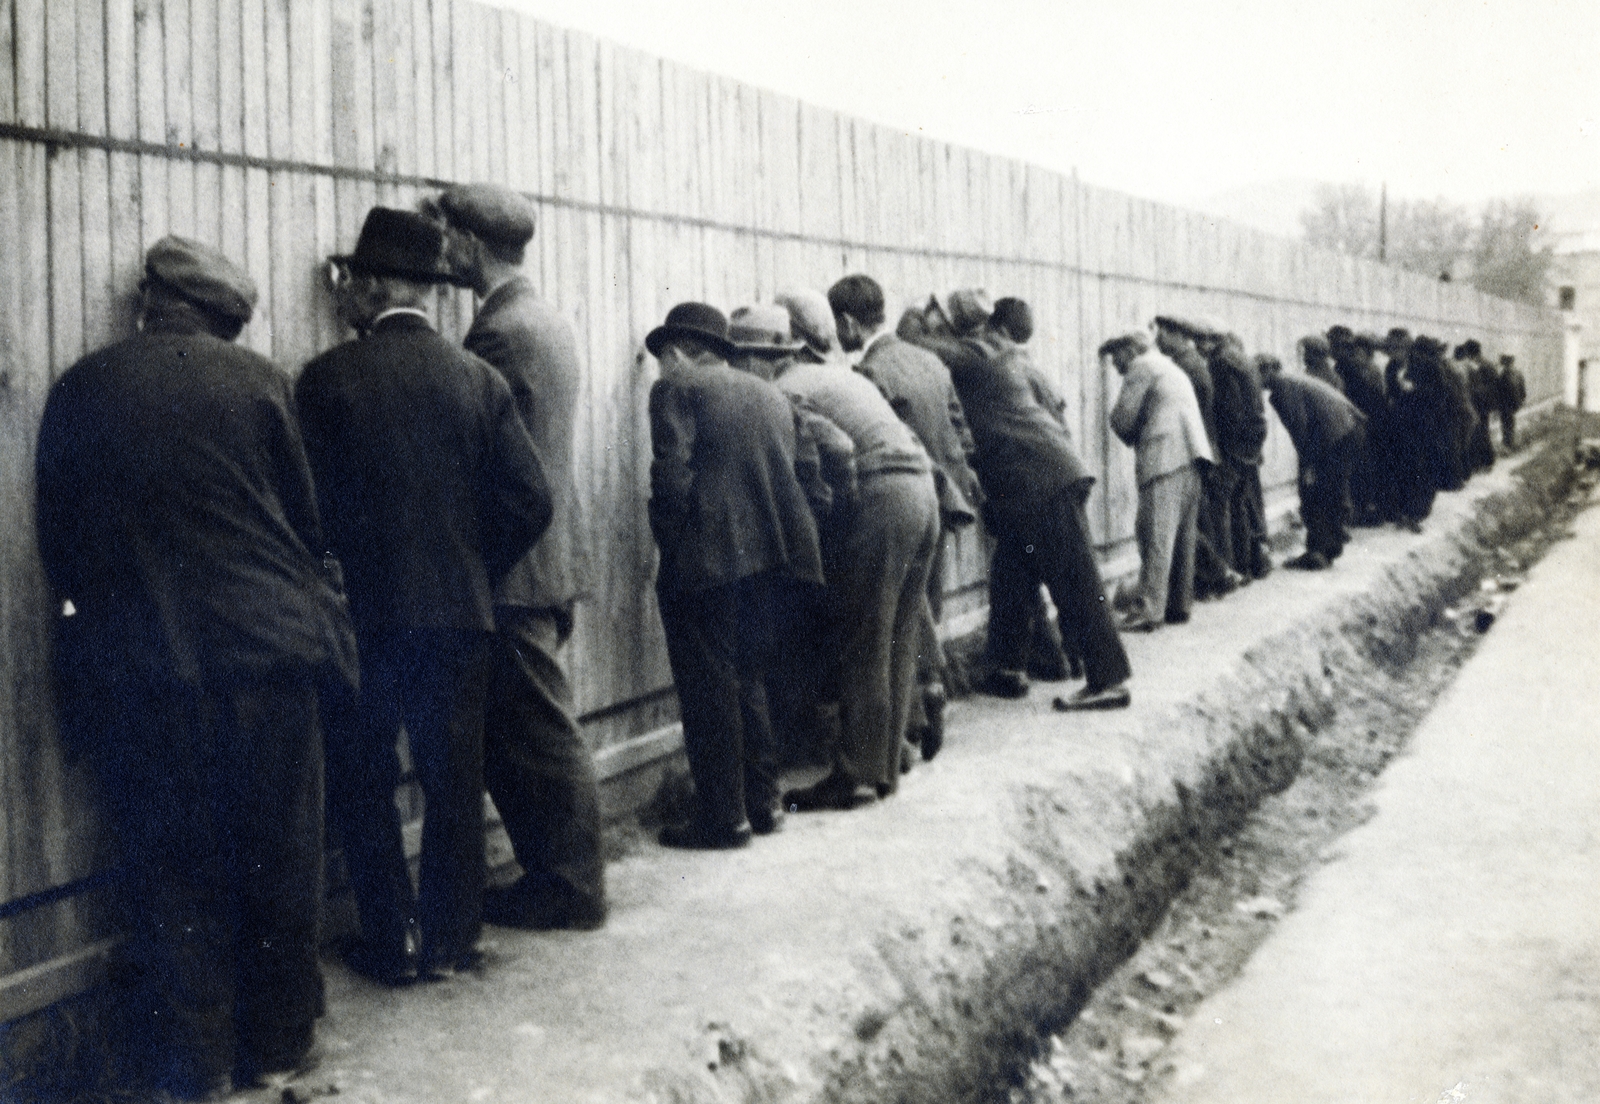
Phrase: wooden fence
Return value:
(269, 127)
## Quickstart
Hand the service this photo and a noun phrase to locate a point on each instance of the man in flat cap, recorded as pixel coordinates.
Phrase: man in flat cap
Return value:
(534, 760)
(431, 492)
(918, 387)
(177, 522)
(1240, 419)
(1364, 386)
(1156, 413)
(1034, 489)
(1482, 386)
(1317, 357)
(735, 532)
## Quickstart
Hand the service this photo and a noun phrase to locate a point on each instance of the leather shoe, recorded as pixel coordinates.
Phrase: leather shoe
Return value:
(1137, 623)
(694, 836)
(1000, 683)
(765, 820)
(521, 905)
(1109, 697)
(1310, 561)
(394, 969)
(836, 791)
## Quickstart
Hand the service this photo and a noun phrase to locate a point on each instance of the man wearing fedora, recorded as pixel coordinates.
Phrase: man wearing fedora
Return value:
(534, 760)
(178, 526)
(735, 532)
(431, 491)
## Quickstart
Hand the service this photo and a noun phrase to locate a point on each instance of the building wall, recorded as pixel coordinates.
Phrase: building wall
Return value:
(269, 127)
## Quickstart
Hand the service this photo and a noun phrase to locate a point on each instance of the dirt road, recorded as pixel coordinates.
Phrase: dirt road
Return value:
(1449, 949)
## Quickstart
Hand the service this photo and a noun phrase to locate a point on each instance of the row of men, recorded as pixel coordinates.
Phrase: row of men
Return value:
(263, 579)
(262, 582)
(1372, 445)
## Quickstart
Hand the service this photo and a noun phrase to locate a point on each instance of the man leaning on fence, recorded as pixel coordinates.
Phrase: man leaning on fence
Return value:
(431, 490)
(534, 761)
(176, 516)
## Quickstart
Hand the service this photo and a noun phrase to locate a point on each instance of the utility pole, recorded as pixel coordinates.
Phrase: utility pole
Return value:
(1383, 222)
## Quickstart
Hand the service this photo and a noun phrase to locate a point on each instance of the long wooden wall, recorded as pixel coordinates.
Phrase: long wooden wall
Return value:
(269, 127)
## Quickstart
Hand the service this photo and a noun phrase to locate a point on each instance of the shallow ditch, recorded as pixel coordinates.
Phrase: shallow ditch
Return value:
(1115, 1050)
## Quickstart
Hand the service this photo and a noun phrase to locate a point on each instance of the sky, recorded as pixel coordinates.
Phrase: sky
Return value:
(1467, 99)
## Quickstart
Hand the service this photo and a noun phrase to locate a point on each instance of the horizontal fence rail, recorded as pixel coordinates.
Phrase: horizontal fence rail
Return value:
(269, 127)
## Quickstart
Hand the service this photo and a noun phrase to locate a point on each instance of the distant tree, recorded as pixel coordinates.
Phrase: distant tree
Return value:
(1506, 260)
(1436, 238)
(1344, 218)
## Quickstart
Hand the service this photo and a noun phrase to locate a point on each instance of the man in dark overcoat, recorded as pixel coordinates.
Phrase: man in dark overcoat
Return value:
(918, 387)
(1482, 391)
(1214, 576)
(1034, 490)
(431, 491)
(1363, 385)
(1511, 391)
(735, 533)
(177, 522)
(1326, 429)
(534, 760)
(1239, 414)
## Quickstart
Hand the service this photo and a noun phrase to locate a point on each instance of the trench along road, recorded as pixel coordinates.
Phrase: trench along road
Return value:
(1449, 949)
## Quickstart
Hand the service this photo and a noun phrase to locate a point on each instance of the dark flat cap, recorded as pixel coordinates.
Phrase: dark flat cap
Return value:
(1397, 338)
(492, 212)
(202, 275)
(1340, 335)
(399, 243)
(970, 308)
(699, 321)
(1189, 327)
(1315, 342)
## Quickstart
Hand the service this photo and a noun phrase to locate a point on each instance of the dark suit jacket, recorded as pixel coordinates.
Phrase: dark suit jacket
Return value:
(918, 387)
(429, 484)
(175, 510)
(533, 348)
(1205, 390)
(1314, 412)
(1239, 412)
(1024, 456)
(724, 500)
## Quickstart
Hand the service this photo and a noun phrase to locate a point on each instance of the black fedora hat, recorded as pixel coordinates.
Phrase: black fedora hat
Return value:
(398, 243)
(699, 321)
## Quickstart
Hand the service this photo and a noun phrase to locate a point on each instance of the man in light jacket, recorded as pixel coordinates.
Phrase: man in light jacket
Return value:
(1157, 414)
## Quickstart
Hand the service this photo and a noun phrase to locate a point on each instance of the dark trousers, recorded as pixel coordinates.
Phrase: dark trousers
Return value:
(1247, 522)
(720, 642)
(1017, 610)
(535, 764)
(1508, 429)
(876, 607)
(1211, 564)
(214, 799)
(1324, 488)
(1049, 539)
(431, 681)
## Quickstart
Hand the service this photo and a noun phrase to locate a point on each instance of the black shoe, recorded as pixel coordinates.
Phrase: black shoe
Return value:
(694, 836)
(1109, 697)
(522, 905)
(252, 1071)
(1309, 561)
(1004, 684)
(1136, 623)
(440, 965)
(1048, 668)
(933, 701)
(392, 968)
(765, 820)
(836, 791)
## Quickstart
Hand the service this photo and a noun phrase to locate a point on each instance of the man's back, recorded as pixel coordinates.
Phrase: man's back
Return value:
(429, 483)
(174, 502)
(532, 346)
(919, 389)
(725, 502)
